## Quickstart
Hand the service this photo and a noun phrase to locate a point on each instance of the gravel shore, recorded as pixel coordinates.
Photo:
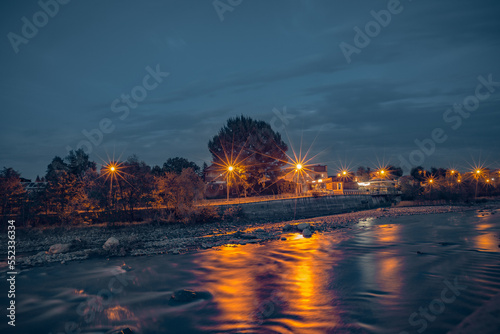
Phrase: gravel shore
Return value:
(37, 247)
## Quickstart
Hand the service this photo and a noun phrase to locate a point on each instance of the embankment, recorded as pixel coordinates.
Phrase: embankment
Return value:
(308, 207)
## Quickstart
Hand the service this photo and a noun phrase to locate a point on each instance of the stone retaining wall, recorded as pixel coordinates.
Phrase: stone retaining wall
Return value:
(307, 207)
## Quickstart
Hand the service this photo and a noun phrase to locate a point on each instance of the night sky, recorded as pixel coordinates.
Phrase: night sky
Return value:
(258, 58)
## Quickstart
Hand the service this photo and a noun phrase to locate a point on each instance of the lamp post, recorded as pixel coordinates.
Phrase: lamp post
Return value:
(229, 170)
(478, 173)
(112, 169)
(298, 168)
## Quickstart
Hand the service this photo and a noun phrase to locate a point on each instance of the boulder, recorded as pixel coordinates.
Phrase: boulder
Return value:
(287, 228)
(111, 244)
(247, 236)
(187, 296)
(303, 226)
(307, 233)
(59, 248)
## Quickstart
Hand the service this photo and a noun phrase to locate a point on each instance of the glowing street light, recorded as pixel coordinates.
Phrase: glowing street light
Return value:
(230, 169)
(298, 166)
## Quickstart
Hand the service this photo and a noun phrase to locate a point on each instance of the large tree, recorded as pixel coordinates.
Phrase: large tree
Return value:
(11, 190)
(177, 165)
(252, 148)
(78, 163)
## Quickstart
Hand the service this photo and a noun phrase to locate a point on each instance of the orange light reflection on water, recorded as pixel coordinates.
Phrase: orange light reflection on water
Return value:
(288, 285)
(487, 241)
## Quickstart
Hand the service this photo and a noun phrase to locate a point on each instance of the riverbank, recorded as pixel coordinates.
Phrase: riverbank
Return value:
(42, 246)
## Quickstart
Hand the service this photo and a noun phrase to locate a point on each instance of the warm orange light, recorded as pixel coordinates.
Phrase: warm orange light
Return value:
(382, 172)
(299, 166)
(452, 172)
(478, 171)
(430, 181)
(230, 168)
(338, 174)
(459, 181)
(112, 168)
(344, 172)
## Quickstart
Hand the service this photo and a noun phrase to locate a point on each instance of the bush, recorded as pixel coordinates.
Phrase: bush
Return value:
(232, 213)
(206, 214)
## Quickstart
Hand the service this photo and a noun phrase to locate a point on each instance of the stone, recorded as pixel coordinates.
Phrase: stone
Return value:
(59, 248)
(283, 238)
(307, 233)
(183, 295)
(111, 244)
(287, 227)
(187, 296)
(303, 226)
(247, 236)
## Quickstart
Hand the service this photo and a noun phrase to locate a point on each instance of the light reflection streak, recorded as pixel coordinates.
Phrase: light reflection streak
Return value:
(296, 287)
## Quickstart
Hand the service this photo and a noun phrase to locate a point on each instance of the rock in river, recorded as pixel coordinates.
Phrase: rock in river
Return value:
(187, 296)
(303, 226)
(59, 248)
(111, 244)
(307, 233)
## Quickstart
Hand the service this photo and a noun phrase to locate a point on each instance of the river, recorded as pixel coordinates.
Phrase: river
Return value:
(387, 275)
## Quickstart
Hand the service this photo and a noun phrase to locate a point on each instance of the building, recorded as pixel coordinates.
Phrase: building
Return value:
(378, 186)
(34, 186)
(212, 173)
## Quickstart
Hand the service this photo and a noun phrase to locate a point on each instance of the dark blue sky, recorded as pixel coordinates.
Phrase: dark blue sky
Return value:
(263, 55)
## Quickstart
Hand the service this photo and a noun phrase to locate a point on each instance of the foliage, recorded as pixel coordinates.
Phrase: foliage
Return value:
(11, 190)
(363, 173)
(253, 145)
(177, 165)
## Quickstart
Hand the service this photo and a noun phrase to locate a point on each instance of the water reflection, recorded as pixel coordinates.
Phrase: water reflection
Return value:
(388, 233)
(486, 240)
(285, 290)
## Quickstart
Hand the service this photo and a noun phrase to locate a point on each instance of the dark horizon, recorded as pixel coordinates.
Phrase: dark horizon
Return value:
(160, 79)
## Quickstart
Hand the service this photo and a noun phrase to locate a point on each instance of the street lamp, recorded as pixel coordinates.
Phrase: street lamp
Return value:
(298, 168)
(111, 171)
(478, 174)
(230, 170)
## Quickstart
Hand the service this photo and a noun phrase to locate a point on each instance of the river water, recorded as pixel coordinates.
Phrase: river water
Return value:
(384, 275)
